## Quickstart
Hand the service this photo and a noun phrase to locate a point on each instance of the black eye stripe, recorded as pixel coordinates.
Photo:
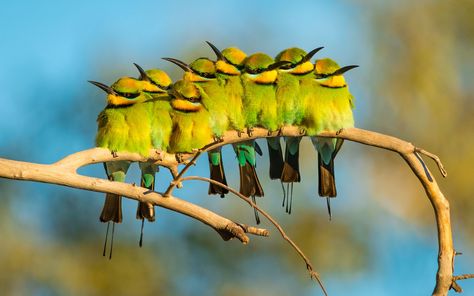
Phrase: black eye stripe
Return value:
(127, 95)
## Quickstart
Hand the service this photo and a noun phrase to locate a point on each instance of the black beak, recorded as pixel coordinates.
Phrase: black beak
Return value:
(218, 53)
(104, 87)
(143, 75)
(179, 63)
(342, 70)
(310, 54)
(277, 65)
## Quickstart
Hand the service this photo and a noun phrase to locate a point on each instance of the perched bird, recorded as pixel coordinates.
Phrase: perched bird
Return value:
(202, 72)
(290, 106)
(121, 128)
(259, 103)
(191, 128)
(229, 65)
(159, 114)
(329, 107)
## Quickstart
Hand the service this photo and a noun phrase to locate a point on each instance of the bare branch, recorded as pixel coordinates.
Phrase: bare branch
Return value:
(60, 174)
(309, 267)
(63, 173)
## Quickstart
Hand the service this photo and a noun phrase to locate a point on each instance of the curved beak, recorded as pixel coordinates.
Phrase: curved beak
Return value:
(310, 54)
(103, 87)
(342, 70)
(143, 75)
(218, 53)
(277, 65)
(179, 63)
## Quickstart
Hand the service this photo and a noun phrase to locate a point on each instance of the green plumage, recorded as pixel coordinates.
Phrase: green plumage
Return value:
(191, 126)
(233, 94)
(328, 105)
(259, 101)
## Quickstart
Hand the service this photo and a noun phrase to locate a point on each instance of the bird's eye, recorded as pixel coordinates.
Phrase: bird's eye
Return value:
(128, 95)
(286, 67)
(321, 76)
(194, 99)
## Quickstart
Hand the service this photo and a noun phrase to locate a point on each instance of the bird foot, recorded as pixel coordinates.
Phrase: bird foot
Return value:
(179, 157)
(280, 131)
(269, 133)
(218, 139)
(114, 154)
(339, 131)
(249, 131)
(302, 131)
(239, 133)
(159, 155)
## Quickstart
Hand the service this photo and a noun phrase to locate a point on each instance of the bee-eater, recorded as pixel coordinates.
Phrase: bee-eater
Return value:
(191, 128)
(159, 115)
(291, 107)
(121, 128)
(202, 72)
(329, 108)
(259, 103)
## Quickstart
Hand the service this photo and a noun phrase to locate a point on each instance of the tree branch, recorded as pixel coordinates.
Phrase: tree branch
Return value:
(313, 273)
(64, 173)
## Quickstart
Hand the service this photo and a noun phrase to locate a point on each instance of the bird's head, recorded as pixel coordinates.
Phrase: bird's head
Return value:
(328, 73)
(261, 68)
(125, 91)
(230, 61)
(186, 96)
(298, 60)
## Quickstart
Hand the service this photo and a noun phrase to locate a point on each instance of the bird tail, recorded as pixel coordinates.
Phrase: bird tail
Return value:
(327, 181)
(276, 157)
(146, 210)
(291, 167)
(216, 168)
(112, 210)
(249, 183)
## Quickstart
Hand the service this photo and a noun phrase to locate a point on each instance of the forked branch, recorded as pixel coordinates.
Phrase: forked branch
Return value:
(64, 173)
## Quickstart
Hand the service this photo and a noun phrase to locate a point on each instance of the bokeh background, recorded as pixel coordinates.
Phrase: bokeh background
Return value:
(415, 82)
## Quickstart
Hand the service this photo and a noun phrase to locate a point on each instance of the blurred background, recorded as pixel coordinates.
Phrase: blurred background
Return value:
(415, 82)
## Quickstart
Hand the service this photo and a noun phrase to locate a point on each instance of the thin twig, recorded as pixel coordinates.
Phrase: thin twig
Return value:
(177, 179)
(309, 267)
(444, 173)
(463, 276)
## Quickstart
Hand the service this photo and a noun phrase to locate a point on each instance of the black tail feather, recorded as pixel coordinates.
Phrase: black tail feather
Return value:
(276, 158)
(112, 210)
(291, 168)
(217, 174)
(327, 182)
(146, 210)
(249, 183)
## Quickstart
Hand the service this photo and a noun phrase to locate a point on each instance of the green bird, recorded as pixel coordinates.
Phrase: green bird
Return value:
(260, 109)
(191, 127)
(291, 107)
(121, 128)
(229, 65)
(202, 72)
(329, 108)
(159, 115)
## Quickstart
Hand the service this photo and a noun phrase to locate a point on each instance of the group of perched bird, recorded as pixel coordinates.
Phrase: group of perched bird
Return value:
(234, 92)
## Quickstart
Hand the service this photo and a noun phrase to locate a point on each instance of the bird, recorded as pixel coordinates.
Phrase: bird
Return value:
(191, 127)
(259, 103)
(159, 115)
(121, 128)
(329, 105)
(290, 106)
(202, 73)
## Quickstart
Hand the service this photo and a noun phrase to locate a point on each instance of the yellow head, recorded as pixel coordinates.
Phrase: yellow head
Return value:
(328, 73)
